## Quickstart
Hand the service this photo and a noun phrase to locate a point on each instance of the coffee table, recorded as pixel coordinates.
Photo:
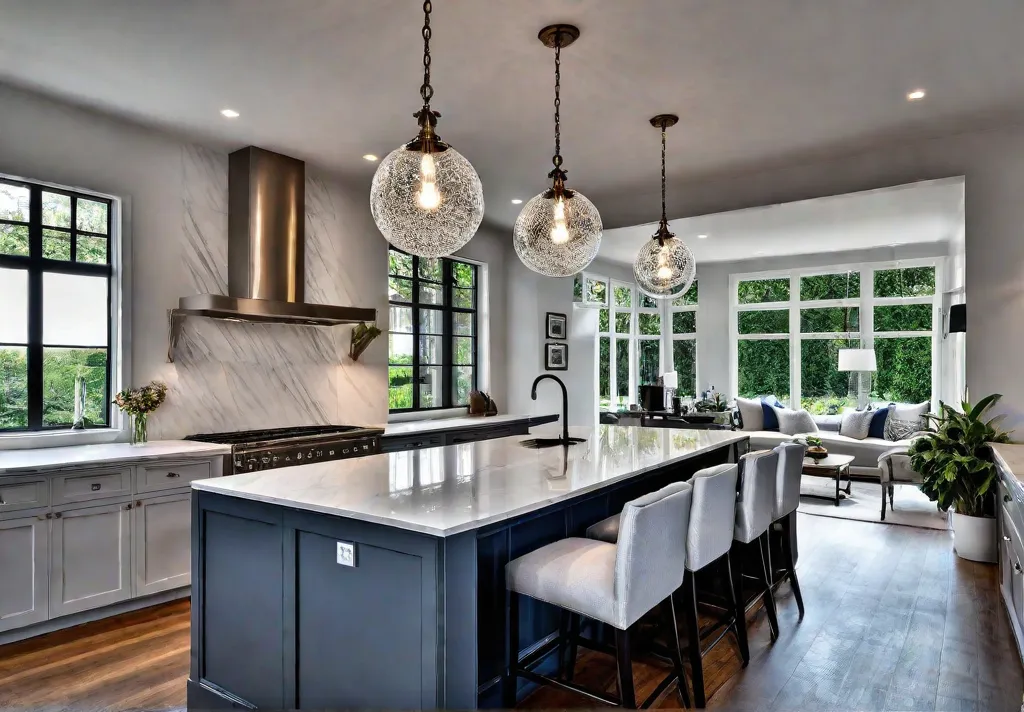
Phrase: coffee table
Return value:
(831, 466)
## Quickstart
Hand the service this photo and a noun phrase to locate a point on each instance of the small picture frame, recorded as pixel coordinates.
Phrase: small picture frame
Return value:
(556, 357)
(557, 326)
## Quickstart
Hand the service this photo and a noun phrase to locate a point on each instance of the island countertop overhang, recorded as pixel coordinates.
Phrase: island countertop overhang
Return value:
(449, 490)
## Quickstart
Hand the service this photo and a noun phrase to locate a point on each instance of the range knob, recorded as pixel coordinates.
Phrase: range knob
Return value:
(265, 459)
(309, 455)
(251, 464)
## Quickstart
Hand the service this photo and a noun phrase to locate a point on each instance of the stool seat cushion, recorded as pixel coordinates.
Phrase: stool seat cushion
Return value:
(575, 574)
(605, 530)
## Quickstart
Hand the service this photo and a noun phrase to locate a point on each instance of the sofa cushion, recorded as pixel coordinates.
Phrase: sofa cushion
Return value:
(856, 424)
(877, 428)
(751, 415)
(902, 411)
(768, 439)
(794, 422)
(896, 429)
(828, 422)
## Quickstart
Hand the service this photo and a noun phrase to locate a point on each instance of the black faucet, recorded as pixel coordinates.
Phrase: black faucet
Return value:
(565, 402)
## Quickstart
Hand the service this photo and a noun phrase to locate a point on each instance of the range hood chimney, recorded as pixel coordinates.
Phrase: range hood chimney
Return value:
(267, 248)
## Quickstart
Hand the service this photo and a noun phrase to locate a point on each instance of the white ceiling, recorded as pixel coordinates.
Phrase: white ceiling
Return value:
(930, 211)
(754, 81)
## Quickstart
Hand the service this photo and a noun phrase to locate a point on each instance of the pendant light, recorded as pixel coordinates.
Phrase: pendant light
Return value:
(558, 232)
(664, 268)
(426, 198)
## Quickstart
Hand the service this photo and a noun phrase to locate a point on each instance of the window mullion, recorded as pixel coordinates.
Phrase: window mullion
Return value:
(447, 361)
(415, 304)
(35, 310)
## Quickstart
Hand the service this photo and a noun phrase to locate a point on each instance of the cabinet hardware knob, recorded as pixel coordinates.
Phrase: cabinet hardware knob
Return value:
(57, 515)
(128, 506)
(138, 503)
(49, 515)
(42, 517)
(95, 487)
(1016, 567)
(1006, 538)
(1007, 498)
(173, 474)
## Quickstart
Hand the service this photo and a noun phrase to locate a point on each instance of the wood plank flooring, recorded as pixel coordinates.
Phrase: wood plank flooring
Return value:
(895, 621)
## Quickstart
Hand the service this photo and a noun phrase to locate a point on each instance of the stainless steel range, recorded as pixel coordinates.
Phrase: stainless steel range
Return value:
(254, 450)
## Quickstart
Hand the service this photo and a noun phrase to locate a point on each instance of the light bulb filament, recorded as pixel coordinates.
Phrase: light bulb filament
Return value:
(559, 231)
(664, 272)
(428, 197)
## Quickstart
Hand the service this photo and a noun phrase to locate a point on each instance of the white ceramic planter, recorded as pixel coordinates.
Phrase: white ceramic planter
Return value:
(974, 538)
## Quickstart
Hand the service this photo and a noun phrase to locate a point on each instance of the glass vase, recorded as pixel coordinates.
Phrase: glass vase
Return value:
(140, 432)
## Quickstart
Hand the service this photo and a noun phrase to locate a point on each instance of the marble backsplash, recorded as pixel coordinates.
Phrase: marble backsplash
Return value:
(238, 376)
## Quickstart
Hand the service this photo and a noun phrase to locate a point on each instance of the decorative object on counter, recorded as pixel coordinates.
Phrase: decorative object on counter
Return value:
(816, 449)
(426, 198)
(957, 473)
(677, 406)
(481, 403)
(362, 335)
(556, 357)
(558, 232)
(713, 402)
(139, 403)
(664, 267)
(79, 420)
(565, 440)
(556, 326)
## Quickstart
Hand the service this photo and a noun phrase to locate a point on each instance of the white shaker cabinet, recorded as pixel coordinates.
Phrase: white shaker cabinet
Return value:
(90, 558)
(161, 537)
(24, 562)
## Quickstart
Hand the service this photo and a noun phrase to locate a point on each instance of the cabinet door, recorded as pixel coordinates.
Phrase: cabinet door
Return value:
(90, 558)
(161, 538)
(24, 545)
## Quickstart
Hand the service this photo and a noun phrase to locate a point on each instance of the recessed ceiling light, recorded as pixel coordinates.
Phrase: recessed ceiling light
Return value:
(516, 201)
(370, 157)
(702, 237)
(915, 95)
(229, 113)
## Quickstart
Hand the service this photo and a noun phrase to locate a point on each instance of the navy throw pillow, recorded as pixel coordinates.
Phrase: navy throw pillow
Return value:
(877, 427)
(771, 421)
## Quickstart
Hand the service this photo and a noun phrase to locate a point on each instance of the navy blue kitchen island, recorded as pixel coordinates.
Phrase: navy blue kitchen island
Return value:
(379, 582)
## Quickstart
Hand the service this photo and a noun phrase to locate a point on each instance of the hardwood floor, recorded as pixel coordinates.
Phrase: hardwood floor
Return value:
(895, 621)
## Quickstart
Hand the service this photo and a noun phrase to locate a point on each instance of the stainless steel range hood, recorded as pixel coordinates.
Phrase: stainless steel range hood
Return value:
(266, 248)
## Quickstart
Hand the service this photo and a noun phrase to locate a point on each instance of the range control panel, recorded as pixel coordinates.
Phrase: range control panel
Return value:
(298, 454)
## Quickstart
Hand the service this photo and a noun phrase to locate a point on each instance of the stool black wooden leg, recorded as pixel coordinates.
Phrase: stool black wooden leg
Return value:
(624, 663)
(574, 634)
(563, 640)
(693, 630)
(677, 658)
(787, 554)
(733, 566)
(508, 692)
(769, 596)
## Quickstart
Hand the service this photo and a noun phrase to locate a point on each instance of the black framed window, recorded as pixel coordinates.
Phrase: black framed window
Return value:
(433, 338)
(55, 309)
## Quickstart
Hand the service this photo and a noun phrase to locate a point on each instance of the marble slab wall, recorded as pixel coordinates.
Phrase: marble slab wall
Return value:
(237, 376)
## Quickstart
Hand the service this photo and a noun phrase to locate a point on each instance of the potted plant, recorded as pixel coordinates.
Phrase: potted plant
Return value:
(957, 473)
(816, 449)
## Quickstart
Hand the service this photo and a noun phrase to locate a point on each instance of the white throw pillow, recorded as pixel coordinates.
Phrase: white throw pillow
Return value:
(751, 415)
(902, 411)
(795, 422)
(856, 424)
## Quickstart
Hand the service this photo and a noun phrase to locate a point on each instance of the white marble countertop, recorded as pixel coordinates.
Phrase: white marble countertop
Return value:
(447, 490)
(1010, 459)
(413, 427)
(22, 461)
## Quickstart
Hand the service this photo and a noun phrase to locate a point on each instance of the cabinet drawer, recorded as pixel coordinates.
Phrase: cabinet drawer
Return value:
(87, 486)
(1010, 536)
(169, 475)
(477, 434)
(23, 494)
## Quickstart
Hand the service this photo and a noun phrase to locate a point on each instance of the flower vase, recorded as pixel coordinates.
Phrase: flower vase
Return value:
(140, 432)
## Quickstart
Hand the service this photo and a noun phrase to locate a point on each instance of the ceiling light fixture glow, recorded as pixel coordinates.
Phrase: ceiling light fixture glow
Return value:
(369, 157)
(229, 113)
(702, 237)
(516, 201)
(916, 95)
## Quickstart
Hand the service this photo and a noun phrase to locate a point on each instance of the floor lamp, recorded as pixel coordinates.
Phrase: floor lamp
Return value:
(862, 362)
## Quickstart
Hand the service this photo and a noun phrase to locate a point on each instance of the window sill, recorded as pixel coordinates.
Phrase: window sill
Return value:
(60, 438)
(427, 415)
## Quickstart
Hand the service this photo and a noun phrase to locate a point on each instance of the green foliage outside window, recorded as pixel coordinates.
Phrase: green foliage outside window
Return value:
(829, 320)
(904, 369)
(764, 368)
(757, 291)
(824, 388)
(905, 282)
(684, 322)
(650, 324)
(904, 317)
(684, 361)
(775, 321)
(687, 298)
(60, 368)
(830, 286)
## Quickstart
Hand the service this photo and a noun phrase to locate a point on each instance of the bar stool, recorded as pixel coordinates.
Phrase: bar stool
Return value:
(754, 509)
(787, 499)
(712, 514)
(615, 584)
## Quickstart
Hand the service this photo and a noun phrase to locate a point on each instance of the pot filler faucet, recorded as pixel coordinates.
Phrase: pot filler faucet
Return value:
(565, 439)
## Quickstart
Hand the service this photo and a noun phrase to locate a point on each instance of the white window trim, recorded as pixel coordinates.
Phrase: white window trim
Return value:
(865, 303)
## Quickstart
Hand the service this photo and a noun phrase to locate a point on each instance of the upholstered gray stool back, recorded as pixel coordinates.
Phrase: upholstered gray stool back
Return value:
(791, 465)
(712, 514)
(651, 557)
(756, 502)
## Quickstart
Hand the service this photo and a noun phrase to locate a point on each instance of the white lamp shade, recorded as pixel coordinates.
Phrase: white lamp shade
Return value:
(857, 360)
(670, 379)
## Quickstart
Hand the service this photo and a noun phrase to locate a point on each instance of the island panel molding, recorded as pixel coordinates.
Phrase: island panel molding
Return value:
(420, 621)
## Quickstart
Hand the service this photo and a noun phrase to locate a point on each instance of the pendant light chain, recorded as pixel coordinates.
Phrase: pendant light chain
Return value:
(664, 220)
(557, 158)
(426, 91)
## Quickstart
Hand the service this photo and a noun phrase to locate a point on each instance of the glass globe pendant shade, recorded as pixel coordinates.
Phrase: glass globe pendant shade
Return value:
(558, 235)
(664, 268)
(426, 204)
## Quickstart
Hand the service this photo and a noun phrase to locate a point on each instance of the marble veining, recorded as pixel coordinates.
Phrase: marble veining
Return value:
(445, 491)
(234, 376)
(21, 461)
